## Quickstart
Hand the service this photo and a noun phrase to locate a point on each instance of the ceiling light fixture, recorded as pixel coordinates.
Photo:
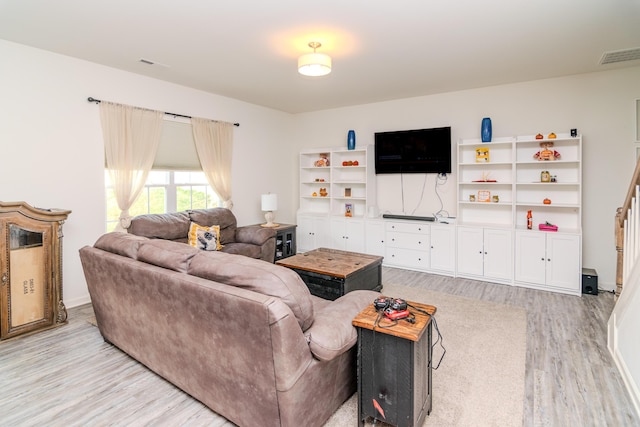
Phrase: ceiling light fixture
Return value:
(314, 64)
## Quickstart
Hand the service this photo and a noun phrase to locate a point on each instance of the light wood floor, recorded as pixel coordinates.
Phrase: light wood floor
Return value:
(70, 377)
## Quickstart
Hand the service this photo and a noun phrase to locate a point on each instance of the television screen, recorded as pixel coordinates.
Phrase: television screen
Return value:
(413, 151)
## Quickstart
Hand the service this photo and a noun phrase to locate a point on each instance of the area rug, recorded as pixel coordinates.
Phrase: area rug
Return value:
(480, 381)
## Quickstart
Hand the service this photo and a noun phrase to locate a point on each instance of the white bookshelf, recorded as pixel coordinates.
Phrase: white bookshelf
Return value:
(513, 174)
(349, 179)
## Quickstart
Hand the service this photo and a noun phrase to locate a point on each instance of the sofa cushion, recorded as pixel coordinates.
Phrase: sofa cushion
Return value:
(165, 253)
(258, 276)
(245, 249)
(167, 226)
(217, 216)
(205, 238)
(332, 332)
(120, 243)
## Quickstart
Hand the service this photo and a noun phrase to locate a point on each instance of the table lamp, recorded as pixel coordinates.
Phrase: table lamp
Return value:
(269, 204)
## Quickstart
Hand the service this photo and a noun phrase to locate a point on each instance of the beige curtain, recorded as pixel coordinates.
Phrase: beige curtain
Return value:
(214, 144)
(131, 136)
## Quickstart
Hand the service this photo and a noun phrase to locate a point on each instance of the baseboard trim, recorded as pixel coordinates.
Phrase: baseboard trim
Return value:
(629, 382)
(69, 303)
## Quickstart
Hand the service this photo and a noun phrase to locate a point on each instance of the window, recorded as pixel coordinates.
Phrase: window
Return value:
(165, 191)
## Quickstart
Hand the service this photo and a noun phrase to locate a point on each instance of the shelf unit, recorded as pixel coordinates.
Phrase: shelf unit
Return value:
(511, 172)
(494, 175)
(345, 183)
(514, 176)
(565, 194)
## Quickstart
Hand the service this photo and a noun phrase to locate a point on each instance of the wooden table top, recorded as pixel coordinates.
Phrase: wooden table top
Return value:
(411, 331)
(331, 262)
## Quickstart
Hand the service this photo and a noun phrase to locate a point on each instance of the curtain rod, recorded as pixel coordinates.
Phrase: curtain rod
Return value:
(98, 101)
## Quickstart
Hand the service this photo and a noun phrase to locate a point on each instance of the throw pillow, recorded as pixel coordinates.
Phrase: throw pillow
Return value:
(205, 238)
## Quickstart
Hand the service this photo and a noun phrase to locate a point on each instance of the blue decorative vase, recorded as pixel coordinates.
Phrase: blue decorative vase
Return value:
(486, 130)
(351, 140)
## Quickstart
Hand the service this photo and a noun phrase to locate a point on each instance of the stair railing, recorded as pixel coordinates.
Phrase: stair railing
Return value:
(627, 232)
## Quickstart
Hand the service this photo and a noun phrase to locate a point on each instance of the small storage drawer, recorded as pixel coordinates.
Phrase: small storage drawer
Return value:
(408, 241)
(407, 227)
(407, 258)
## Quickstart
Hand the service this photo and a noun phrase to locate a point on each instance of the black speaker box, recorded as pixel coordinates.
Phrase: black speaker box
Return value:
(589, 281)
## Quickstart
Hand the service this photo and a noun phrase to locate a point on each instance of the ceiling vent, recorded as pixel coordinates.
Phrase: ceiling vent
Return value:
(620, 56)
(150, 62)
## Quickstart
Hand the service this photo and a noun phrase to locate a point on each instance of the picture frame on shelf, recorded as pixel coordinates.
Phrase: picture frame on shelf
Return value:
(347, 192)
(482, 155)
(348, 209)
(484, 196)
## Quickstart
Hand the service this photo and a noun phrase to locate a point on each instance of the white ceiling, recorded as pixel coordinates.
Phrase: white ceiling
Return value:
(381, 49)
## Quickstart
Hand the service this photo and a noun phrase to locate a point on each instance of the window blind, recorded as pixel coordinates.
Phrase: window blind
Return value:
(177, 150)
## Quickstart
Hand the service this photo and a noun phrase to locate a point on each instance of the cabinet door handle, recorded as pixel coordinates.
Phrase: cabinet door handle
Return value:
(541, 259)
(549, 259)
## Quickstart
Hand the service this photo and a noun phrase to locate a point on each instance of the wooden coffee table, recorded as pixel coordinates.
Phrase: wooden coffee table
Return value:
(331, 273)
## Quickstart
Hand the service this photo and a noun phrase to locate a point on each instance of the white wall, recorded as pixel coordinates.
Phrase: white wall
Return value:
(51, 150)
(600, 105)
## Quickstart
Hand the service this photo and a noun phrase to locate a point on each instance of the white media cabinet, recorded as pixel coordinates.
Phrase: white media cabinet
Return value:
(488, 240)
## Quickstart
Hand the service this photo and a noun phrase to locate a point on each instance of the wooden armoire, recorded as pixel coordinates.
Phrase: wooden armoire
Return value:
(30, 269)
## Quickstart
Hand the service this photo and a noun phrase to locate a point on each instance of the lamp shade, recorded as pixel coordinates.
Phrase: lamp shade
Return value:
(269, 202)
(314, 64)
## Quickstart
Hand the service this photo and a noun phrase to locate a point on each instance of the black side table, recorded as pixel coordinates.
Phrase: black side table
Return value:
(394, 368)
(285, 241)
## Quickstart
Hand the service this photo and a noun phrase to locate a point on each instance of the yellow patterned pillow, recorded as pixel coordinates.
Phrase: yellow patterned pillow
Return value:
(205, 238)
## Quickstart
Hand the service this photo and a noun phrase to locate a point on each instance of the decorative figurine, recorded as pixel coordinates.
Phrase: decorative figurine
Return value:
(323, 161)
(546, 153)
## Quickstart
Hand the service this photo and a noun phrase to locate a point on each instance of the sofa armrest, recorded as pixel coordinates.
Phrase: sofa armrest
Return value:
(332, 332)
(254, 234)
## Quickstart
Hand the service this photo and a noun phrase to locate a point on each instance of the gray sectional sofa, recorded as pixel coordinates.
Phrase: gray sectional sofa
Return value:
(252, 240)
(243, 336)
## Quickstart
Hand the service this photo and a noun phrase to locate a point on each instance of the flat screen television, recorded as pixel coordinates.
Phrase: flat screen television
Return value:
(413, 151)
